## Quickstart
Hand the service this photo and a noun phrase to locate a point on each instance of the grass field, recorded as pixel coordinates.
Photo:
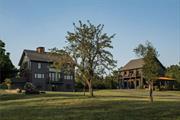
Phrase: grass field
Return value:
(106, 105)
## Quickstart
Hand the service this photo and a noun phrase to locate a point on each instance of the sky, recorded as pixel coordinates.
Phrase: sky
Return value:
(27, 24)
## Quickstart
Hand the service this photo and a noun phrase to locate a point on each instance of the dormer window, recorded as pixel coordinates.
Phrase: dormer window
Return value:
(39, 65)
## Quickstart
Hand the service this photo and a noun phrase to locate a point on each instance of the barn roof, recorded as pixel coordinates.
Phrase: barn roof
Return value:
(137, 63)
(134, 64)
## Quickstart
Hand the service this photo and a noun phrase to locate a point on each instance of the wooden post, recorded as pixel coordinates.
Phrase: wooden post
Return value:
(127, 84)
(141, 82)
(135, 84)
(159, 84)
(130, 84)
(122, 83)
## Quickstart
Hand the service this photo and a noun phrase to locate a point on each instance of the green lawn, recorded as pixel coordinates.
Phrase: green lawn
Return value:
(106, 105)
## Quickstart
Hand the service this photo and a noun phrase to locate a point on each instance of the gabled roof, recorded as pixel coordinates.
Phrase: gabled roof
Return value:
(134, 64)
(41, 57)
(137, 63)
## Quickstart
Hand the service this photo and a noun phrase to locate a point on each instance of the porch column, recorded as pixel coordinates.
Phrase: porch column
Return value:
(135, 84)
(121, 83)
(128, 84)
(141, 82)
(159, 84)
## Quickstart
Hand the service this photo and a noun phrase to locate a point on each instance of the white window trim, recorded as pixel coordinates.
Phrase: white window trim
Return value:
(68, 77)
(39, 65)
(39, 76)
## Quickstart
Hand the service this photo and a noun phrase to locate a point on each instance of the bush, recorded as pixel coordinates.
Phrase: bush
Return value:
(177, 85)
(99, 84)
(8, 83)
(3, 86)
(19, 90)
(30, 89)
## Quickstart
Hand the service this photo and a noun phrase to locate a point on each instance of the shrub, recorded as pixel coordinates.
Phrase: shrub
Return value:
(30, 89)
(8, 83)
(3, 86)
(19, 90)
(177, 85)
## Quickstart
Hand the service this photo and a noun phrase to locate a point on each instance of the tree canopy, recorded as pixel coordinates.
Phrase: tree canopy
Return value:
(174, 72)
(7, 69)
(149, 54)
(63, 60)
(89, 48)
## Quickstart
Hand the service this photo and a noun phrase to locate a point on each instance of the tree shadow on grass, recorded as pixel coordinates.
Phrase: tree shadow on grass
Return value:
(5, 97)
(121, 96)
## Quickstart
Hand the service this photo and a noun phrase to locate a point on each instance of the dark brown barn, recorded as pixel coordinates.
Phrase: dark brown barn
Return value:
(131, 75)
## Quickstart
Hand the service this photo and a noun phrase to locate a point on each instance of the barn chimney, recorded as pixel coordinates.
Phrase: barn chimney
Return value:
(40, 50)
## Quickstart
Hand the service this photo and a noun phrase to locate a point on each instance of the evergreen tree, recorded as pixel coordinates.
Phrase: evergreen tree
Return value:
(7, 69)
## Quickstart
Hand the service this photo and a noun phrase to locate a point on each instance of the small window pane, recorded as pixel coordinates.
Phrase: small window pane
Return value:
(39, 65)
(42, 75)
(35, 75)
(59, 75)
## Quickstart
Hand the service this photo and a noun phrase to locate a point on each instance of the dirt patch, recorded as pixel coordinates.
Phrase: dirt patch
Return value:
(14, 91)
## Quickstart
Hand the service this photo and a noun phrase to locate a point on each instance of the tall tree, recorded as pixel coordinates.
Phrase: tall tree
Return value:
(89, 48)
(151, 66)
(7, 69)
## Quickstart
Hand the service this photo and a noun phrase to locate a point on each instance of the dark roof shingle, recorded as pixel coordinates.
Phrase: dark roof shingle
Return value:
(134, 64)
(42, 57)
(33, 55)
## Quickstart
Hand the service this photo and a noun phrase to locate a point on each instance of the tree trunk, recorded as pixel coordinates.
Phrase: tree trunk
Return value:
(151, 91)
(84, 89)
(0, 75)
(91, 91)
(90, 88)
